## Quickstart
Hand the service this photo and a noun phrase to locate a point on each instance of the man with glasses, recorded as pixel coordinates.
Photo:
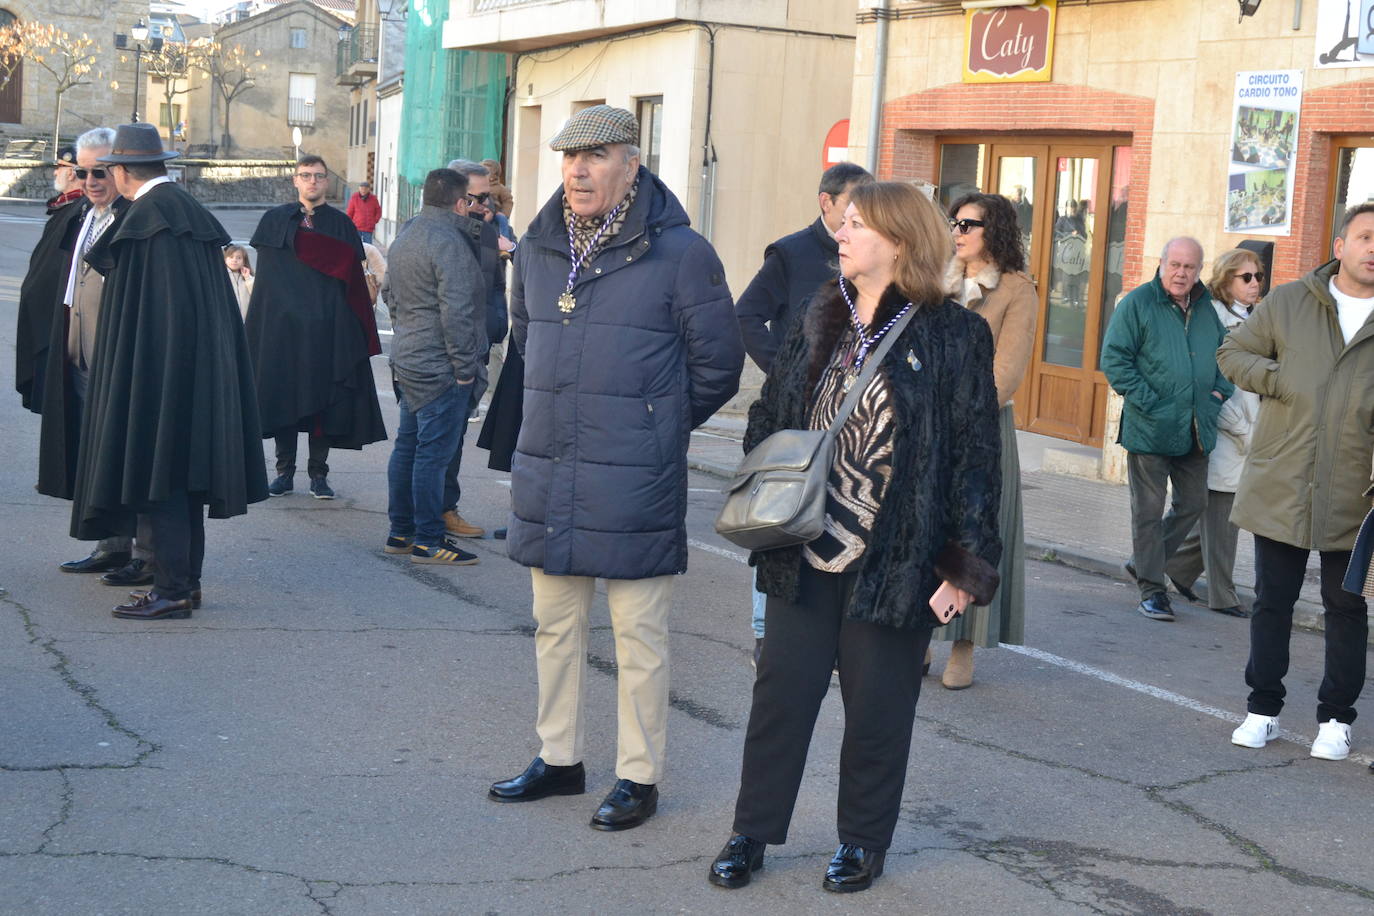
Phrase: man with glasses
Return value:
(1159, 354)
(312, 332)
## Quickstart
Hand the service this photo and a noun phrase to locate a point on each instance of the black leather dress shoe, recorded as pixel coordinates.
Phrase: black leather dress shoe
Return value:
(153, 606)
(1184, 590)
(135, 572)
(853, 869)
(540, 780)
(737, 862)
(99, 561)
(195, 597)
(628, 805)
(1235, 611)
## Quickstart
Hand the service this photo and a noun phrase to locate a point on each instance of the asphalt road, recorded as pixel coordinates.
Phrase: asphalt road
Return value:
(319, 738)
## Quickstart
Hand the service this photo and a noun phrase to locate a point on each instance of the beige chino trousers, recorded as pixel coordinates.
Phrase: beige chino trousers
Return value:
(639, 620)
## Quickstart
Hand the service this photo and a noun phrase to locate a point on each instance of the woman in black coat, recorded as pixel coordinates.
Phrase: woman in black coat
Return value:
(911, 525)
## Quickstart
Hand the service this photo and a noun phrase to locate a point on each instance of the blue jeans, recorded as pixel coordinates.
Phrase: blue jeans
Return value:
(760, 602)
(425, 441)
(366, 237)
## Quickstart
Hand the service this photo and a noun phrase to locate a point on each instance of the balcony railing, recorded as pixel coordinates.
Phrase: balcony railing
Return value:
(300, 112)
(357, 54)
(484, 6)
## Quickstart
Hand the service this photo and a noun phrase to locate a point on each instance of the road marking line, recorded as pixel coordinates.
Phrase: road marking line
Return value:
(1159, 693)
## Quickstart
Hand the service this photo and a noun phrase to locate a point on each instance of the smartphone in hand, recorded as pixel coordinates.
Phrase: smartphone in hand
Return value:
(947, 602)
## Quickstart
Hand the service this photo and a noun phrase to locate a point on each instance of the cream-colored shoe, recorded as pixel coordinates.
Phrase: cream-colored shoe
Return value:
(959, 669)
(454, 524)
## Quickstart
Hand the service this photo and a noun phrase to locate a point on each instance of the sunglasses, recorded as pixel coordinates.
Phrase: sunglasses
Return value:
(1247, 277)
(478, 198)
(964, 226)
(97, 174)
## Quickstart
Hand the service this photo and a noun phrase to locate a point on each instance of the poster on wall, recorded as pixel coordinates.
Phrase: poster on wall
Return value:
(1263, 142)
(1345, 33)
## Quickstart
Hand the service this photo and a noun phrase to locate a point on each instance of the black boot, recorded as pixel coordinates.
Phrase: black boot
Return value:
(540, 780)
(853, 868)
(737, 862)
(628, 805)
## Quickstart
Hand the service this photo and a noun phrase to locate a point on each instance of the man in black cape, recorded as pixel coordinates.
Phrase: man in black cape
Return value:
(40, 295)
(312, 332)
(171, 421)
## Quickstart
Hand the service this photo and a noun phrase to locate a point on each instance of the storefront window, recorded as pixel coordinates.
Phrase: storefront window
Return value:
(1016, 182)
(961, 171)
(1071, 259)
(1116, 240)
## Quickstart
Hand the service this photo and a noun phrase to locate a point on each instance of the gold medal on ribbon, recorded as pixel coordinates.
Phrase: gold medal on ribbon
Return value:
(566, 303)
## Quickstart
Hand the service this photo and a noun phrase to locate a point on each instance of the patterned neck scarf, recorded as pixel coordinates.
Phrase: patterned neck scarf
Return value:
(584, 228)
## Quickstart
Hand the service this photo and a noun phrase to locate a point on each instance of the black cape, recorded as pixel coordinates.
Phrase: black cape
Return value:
(310, 351)
(505, 413)
(171, 406)
(40, 298)
(60, 432)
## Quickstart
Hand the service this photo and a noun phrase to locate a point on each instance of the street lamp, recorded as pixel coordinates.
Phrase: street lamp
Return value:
(139, 32)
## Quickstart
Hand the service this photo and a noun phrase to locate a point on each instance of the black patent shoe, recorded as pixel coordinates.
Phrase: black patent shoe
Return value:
(98, 562)
(135, 572)
(853, 869)
(628, 805)
(540, 780)
(737, 862)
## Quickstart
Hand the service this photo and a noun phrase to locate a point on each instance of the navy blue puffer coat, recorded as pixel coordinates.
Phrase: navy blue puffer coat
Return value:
(614, 388)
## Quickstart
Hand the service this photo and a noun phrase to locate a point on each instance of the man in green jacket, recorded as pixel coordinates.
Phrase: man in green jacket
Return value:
(1308, 350)
(1159, 354)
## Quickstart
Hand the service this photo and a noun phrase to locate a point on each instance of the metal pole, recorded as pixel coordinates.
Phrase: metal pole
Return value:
(875, 111)
(138, 58)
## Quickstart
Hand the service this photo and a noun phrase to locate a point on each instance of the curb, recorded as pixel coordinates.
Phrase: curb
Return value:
(1306, 614)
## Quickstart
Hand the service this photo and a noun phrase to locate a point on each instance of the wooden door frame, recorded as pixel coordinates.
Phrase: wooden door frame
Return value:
(1338, 143)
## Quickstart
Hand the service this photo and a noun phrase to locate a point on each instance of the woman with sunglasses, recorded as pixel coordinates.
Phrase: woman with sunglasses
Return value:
(910, 528)
(988, 276)
(1237, 279)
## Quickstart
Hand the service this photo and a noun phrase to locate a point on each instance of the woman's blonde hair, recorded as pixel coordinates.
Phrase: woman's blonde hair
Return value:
(911, 221)
(1225, 269)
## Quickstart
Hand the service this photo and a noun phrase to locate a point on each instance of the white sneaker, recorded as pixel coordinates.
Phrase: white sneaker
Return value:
(1333, 741)
(1256, 730)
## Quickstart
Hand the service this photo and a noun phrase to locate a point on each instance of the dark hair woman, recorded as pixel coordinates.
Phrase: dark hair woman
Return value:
(911, 524)
(988, 276)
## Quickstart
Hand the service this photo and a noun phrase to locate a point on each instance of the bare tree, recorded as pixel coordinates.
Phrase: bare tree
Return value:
(231, 70)
(70, 59)
(11, 52)
(171, 63)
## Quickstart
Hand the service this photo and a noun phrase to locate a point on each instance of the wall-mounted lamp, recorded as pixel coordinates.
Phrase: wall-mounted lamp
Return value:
(1248, 8)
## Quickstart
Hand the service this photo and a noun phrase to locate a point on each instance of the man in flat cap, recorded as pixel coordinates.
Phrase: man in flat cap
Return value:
(630, 341)
(171, 421)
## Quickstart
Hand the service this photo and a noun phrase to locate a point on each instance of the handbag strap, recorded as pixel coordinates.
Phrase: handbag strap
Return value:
(851, 398)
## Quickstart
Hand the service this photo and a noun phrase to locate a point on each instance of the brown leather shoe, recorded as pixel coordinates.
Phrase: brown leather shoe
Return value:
(154, 607)
(195, 598)
(454, 524)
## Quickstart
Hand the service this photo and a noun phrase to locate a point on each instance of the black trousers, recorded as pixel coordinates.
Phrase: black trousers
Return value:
(178, 525)
(318, 465)
(880, 680)
(1279, 570)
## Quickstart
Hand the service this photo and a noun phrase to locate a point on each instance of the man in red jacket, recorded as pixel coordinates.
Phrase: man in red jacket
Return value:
(365, 210)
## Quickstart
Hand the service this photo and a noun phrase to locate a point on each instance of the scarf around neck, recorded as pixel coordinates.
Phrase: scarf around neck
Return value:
(584, 228)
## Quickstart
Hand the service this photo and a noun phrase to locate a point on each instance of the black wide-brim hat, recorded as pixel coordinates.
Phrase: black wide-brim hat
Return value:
(136, 143)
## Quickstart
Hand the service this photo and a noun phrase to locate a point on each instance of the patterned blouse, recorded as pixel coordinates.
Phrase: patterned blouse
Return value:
(862, 463)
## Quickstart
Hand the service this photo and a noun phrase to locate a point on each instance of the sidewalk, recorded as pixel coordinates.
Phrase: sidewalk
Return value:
(1081, 523)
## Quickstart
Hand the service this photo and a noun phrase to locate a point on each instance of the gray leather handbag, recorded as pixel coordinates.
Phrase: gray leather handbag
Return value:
(777, 496)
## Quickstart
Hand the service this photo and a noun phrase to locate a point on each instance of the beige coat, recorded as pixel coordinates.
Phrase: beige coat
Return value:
(1235, 423)
(1008, 303)
(243, 291)
(1305, 476)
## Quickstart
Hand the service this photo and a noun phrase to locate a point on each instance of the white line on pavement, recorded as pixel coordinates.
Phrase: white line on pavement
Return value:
(1159, 693)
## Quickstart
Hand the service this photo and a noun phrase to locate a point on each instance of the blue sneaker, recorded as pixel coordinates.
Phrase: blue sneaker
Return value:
(281, 486)
(320, 488)
(1157, 607)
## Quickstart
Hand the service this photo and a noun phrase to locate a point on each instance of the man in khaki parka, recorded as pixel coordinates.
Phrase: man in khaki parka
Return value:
(1308, 350)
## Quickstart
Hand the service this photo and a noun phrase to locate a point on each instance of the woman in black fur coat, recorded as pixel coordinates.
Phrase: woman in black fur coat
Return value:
(911, 526)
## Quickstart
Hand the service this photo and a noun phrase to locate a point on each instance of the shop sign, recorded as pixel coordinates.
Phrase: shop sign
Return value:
(1345, 33)
(1013, 44)
(1263, 152)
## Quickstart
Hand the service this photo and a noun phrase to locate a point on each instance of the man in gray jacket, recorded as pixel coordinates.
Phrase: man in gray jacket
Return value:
(438, 319)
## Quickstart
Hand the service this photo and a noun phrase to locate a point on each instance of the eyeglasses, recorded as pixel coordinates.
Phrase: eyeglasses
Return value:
(97, 174)
(312, 176)
(478, 198)
(963, 226)
(1246, 277)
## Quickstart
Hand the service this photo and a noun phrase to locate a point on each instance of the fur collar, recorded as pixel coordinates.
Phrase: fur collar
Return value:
(987, 278)
(827, 319)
